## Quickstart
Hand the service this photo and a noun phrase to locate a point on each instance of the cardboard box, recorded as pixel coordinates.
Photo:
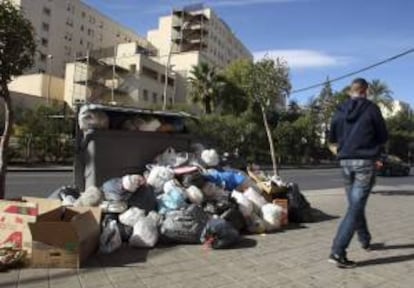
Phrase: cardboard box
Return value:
(14, 217)
(65, 237)
(285, 214)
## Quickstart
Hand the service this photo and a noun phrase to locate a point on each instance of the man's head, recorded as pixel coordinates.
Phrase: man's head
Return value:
(359, 88)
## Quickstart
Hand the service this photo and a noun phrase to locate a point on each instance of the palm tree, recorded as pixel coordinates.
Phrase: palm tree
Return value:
(205, 86)
(380, 94)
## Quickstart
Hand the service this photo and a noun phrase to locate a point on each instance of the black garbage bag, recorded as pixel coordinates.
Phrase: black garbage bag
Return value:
(66, 191)
(193, 179)
(184, 226)
(125, 230)
(144, 198)
(227, 209)
(220, 234)
(298, 206)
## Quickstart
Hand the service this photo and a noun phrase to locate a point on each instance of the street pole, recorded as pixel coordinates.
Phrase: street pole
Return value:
(49, 70)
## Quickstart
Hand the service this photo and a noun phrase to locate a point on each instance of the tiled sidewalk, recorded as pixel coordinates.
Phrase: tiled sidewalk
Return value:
(296, 257)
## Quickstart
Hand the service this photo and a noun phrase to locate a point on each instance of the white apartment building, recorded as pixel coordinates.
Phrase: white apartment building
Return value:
(65, 28)
(397, 107)
(192, 35)
(126, 74)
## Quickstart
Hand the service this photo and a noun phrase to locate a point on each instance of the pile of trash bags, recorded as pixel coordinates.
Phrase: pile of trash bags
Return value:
(188, 198)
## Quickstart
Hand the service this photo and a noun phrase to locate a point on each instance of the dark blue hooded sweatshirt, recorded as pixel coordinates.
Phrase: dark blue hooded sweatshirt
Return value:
(359, 130)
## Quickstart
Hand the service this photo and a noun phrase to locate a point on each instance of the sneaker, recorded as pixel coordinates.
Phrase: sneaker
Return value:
(366, 247)
(341, 261)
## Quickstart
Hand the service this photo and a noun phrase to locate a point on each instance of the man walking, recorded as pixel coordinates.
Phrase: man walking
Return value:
(359, 131)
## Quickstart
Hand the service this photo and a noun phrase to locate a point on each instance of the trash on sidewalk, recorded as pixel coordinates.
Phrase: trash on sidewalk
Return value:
(219, 234)
(65, 237)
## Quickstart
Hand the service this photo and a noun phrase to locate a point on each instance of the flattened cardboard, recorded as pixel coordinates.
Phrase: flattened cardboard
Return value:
(14, 217)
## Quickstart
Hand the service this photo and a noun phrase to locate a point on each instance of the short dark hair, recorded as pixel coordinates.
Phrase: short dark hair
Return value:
(361, 82)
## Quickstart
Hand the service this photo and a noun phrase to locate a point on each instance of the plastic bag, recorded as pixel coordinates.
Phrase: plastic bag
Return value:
(193, 179)
(255, 224)
(255, 197)
(172, 199)
(145, 234)
(158, 176)
(210, 157)
(131, 216)
(272, 215)
(184, 226)
(89, 119)
(110, 239)
(194, 195)
(92, 197)
(245, 205)
(144, 199)
(219, 234)
(150, 126)
(171, 158)
(212, 192)
(124, 230)
(299, 208)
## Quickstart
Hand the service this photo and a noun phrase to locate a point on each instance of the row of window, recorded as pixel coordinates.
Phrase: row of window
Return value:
(145, 96)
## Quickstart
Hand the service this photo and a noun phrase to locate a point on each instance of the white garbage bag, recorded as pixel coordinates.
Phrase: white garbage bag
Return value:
(145, 234)
(92, 197)
(131, 216)
(255, 224)
(89, 119)
(272, 215)
(194, 195)
(245, 205)
(158, 176)
(253, 195)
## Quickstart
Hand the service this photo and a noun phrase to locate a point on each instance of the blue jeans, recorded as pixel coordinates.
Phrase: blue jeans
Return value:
(359, 176)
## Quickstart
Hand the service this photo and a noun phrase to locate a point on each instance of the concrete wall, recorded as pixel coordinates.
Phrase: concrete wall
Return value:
(39, 85)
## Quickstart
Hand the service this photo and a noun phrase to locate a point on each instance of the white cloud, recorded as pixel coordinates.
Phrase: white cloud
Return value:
(303, 58)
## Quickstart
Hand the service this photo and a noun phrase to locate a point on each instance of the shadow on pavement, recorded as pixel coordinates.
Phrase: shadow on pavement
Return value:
(244, 244)
(126, 256)
(387, 260)
(320, 216)
(36, 280)
(382, 246)
(394, 193)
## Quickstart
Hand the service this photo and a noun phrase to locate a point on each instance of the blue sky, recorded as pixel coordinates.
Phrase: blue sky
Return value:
(318, 38)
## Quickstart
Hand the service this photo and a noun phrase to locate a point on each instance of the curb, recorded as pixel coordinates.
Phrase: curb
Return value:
(40, 169)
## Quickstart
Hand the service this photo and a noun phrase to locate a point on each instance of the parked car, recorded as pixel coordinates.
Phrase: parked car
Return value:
(392, 166)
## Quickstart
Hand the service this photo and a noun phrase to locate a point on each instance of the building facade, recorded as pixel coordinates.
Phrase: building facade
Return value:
(66, 28)
(192, 35)
(396, 108)
(126, 74)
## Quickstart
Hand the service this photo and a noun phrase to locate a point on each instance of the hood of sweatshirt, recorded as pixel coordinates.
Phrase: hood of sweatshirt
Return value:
(354, 108)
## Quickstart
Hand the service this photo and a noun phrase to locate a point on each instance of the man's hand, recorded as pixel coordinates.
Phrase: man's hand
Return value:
(333, 148)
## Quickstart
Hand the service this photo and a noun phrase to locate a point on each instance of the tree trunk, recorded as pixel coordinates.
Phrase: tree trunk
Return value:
(271, 144)
(4, 143)
(207, 103)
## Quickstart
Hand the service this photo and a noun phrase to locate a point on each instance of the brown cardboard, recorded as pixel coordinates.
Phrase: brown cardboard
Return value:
(14, 217)
(44, 204)
(65, 237)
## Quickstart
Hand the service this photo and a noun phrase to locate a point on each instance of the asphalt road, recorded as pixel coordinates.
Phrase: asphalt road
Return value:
(41, 184)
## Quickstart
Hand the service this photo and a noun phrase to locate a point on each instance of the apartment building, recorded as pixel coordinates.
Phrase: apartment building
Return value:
(126, 74)
(65, 28)
(195, 34)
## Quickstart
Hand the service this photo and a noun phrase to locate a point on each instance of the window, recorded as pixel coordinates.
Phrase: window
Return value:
(81, 41)
(44, 42)
(46, 11)
(91, 32)
(145, 95)
(92, 20)
(89, 45)
(83, 14)
(82, 28)
(101, 25)
(69, 22)
(42, 57)
(45, 27)
(154, 97)
(68, 36)
(148, 72)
